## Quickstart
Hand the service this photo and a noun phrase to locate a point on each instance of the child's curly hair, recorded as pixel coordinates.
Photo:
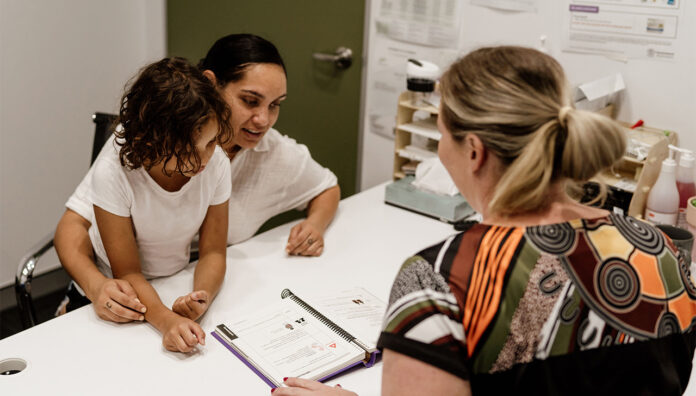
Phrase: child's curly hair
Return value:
(162, 113)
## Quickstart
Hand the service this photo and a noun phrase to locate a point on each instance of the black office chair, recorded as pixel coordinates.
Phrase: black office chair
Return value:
(104, 125)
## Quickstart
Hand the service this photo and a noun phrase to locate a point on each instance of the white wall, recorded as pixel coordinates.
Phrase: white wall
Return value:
(662, 93)
(60, 61)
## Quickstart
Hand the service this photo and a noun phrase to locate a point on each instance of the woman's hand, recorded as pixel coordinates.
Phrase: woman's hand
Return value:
(192, 305)
(300, 386)
(181, 334)
(112, 299)
(116, 301)
(306, 239)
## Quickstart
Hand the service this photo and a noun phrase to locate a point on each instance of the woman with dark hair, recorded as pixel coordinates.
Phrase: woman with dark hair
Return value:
(270, 174)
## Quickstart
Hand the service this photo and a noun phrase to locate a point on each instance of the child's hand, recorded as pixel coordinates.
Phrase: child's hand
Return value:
(306, 239)
(192, 305)
(182, 334)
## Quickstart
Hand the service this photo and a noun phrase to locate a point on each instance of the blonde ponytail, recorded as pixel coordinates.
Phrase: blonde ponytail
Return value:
(516, 100)
(594, 142)
(526, 181)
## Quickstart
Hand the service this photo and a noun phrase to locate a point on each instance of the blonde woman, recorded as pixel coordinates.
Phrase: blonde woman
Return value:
(546, 295)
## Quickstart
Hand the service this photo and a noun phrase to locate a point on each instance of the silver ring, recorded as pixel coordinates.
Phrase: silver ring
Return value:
(108, 304)
(310, 241)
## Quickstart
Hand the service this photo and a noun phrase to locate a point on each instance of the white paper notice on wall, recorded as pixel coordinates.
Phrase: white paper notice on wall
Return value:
(434, 23)
(623, 29)
(508, 5)
(387, 78)
(387, 81)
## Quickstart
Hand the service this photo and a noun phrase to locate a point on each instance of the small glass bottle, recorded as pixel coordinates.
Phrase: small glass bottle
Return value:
(420, 81)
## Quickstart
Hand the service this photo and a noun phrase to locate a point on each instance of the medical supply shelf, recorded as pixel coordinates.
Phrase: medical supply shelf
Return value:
(406, 127)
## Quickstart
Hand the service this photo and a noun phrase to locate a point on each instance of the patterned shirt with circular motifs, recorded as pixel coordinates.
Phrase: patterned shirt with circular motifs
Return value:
(602, 305)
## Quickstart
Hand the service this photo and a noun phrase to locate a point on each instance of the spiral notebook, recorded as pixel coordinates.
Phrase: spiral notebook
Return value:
(316, 338)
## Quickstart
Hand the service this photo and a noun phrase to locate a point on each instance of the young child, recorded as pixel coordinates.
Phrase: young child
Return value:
(159, 182)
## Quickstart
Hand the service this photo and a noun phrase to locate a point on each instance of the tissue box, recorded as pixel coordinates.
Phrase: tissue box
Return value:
(445, 208)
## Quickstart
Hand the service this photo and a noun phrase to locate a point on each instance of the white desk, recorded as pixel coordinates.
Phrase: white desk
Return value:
(80, 354)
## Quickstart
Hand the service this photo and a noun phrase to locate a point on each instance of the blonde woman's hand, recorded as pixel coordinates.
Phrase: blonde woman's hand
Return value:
(306, 239)
(305, 387)
(116, 301)
(181, 334)
(192, 305)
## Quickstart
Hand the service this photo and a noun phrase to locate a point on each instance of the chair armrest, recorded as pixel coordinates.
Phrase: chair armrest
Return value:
(23, 278)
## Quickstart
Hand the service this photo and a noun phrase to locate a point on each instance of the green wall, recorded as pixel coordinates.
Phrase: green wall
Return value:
(322, 109)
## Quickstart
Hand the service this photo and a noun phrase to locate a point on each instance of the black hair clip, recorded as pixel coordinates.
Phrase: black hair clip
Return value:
(464, 225)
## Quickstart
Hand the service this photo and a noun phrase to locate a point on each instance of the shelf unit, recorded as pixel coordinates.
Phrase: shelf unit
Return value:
(406, 127)
(629, 175)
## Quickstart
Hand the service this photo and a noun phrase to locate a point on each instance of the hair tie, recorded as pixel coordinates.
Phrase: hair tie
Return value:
(562, 114)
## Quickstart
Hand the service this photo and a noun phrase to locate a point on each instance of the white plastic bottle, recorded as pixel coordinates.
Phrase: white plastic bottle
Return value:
(663, 200)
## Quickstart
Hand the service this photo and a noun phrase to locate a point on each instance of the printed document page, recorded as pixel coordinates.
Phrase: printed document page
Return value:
(286, 341)
(356, 310)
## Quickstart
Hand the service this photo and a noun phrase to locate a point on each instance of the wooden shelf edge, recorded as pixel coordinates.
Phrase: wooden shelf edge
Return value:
(408, 105)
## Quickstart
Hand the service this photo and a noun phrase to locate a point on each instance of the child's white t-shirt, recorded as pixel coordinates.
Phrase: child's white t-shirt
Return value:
(164, 222)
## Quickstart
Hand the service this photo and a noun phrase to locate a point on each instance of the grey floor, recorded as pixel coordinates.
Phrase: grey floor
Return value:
(45, 306)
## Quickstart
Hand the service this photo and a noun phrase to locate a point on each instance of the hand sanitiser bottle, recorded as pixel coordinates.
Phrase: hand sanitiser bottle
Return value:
(663, 200)
(685, 184)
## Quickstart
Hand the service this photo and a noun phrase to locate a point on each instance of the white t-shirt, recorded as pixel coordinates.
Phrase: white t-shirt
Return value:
(164, 222)
(277, 175)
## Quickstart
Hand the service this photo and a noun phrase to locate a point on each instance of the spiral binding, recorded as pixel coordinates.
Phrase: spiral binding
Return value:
(286, 293)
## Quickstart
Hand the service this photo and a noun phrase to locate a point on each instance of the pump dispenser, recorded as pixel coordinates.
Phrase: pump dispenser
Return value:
(663, 200)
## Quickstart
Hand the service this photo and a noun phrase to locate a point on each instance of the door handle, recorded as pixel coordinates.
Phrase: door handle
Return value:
(342, 58)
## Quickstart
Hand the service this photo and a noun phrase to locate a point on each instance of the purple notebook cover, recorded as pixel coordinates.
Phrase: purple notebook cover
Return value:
(370, 363)
(248, 364)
